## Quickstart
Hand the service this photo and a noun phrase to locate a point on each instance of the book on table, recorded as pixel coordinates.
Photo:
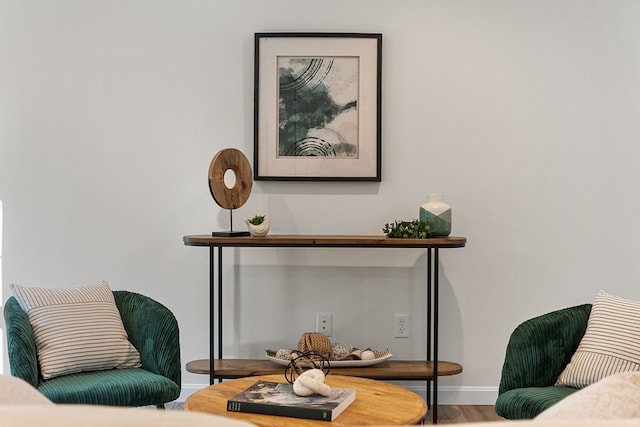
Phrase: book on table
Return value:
(272, 398)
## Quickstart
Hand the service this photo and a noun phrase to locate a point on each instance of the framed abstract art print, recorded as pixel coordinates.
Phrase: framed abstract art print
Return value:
(317, 110)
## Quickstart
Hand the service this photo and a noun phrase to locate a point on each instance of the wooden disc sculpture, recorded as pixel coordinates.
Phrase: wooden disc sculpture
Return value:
(236, 196)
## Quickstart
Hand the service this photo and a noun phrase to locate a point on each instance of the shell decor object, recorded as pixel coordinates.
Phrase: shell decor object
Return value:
(259, 230)
(437, 214)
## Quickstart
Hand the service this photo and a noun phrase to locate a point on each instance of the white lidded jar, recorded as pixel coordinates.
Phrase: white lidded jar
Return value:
(437, 214)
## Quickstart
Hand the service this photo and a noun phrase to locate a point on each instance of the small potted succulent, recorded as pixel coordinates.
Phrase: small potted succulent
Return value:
(258, 225)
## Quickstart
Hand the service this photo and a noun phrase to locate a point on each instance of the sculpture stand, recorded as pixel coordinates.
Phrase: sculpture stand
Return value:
(230, 233)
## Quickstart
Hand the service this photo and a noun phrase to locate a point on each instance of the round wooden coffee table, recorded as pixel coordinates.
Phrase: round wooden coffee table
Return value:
(377, 403)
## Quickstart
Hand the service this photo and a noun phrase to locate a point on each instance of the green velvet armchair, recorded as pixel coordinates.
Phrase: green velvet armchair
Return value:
(537, 352)
(151, 328)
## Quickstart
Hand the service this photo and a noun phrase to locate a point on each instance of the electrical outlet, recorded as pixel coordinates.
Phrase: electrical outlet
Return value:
(324, 323)
(401, 326)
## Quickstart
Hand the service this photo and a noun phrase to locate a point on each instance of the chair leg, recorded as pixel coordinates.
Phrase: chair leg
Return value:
(161, 406)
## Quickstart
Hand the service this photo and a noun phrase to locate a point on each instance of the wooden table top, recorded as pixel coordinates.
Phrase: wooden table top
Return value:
(377, 403)
(324, 241)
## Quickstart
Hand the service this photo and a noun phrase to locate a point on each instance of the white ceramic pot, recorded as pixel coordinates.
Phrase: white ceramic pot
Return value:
(259, 230)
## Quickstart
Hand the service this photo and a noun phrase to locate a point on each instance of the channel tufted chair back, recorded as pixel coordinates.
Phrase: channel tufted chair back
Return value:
(538, 351)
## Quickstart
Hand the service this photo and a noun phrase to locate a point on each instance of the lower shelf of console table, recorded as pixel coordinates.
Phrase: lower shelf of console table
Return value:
(390, 370)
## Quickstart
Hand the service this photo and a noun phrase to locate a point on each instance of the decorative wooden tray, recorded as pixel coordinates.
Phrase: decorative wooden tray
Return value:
(340, 363)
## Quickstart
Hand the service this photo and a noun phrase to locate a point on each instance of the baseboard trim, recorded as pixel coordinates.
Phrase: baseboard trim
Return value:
(463, 395)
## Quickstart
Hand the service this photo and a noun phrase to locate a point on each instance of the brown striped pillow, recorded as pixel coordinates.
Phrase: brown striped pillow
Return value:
(77, 329)
(611, 343)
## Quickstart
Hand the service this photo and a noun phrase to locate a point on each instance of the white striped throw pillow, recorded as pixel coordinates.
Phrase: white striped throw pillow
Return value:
(611, 343)
(76, 329)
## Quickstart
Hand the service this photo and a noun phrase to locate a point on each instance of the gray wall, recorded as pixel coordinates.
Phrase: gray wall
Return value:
(524, 114)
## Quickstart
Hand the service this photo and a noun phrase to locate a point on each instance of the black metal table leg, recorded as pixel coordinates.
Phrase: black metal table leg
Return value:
(435, 335)
(432, 330)
(219, 304)
(429, 324)
(212, 310)
(212, 286)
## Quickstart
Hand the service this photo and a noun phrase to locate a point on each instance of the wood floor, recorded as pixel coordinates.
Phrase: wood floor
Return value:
(455, 414)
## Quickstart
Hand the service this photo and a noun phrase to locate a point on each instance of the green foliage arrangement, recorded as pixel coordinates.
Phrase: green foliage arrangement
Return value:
(415, 229)
(256, 220)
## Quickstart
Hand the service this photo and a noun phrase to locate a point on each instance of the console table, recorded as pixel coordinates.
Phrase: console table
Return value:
(428, 370)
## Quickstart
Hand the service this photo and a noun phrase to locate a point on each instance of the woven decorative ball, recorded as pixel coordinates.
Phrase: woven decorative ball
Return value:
(315, 341)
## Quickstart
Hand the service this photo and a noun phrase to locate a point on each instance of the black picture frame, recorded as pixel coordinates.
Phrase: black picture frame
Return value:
(318, 111)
